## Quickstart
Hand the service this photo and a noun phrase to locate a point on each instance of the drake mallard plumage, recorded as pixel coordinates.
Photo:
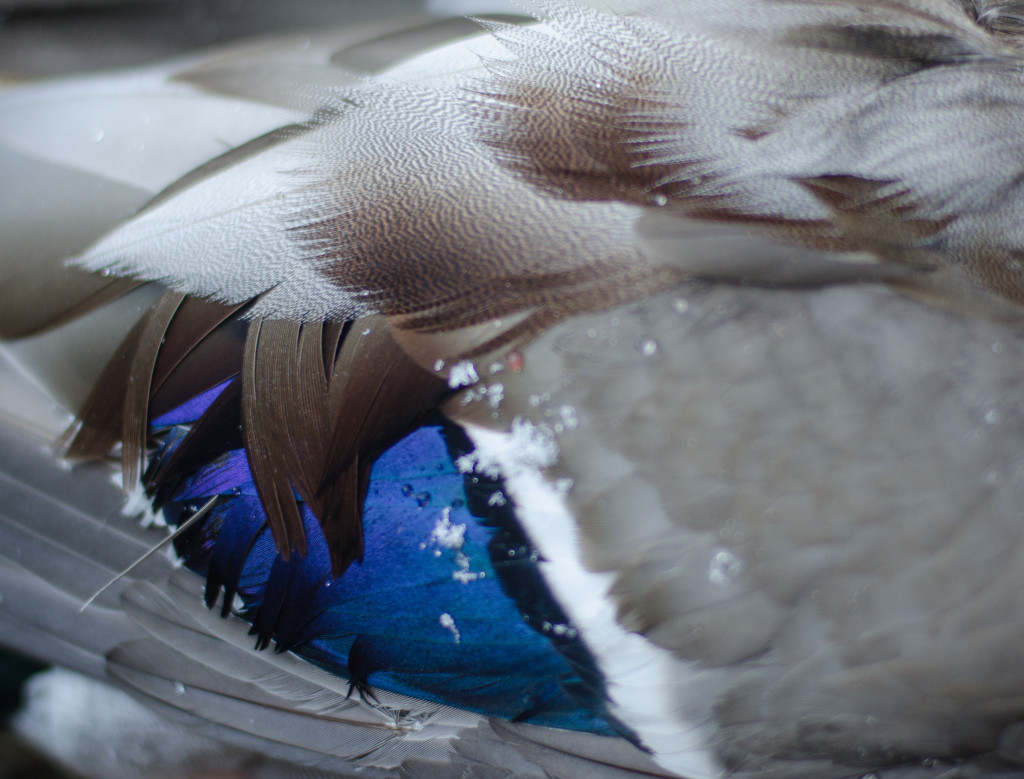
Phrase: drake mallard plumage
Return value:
(629, 389)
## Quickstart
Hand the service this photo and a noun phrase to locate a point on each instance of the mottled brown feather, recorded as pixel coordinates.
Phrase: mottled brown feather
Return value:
(910, 48)
(580, 135)
(880, 217)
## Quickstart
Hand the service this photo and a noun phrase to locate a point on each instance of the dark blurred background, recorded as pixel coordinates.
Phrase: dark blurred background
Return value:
(17, 759)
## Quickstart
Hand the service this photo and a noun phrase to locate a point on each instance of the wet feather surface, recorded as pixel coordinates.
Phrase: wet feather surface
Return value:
(629, 390)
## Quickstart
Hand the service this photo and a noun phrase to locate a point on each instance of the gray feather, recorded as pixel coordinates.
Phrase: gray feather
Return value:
(805, 525)
(680, 230)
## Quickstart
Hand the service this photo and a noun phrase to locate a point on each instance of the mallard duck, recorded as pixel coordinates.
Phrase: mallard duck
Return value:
(627, 389)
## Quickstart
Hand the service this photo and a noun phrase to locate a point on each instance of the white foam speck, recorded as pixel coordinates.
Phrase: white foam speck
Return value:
(527, 443)
(447, 535)
(448, 622)
(462, 574)
(137, 505)
(462, 374)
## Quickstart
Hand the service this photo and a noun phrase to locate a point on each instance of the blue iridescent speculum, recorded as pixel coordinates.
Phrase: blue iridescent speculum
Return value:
(447, 603)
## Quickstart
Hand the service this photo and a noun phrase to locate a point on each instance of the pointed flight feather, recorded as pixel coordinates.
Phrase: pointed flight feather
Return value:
(104, 419)
(135, 419)
(377, 394)
(266, 369)
(308, 416)
(214, 433)
(194, 321)
(316, 404)
(97, 428)
(212, 361)
(314, 427)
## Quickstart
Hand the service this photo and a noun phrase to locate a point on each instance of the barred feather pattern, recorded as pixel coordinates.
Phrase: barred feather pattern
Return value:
(488, 200)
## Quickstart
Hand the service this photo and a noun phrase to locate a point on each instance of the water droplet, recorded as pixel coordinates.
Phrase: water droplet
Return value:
(648, 347)
(179, 688)
(495, 394)
(681, 305)
(992, 416)
(659, 199)
(724, 566)
(423, 499)
(407, 490)
(438, 365)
